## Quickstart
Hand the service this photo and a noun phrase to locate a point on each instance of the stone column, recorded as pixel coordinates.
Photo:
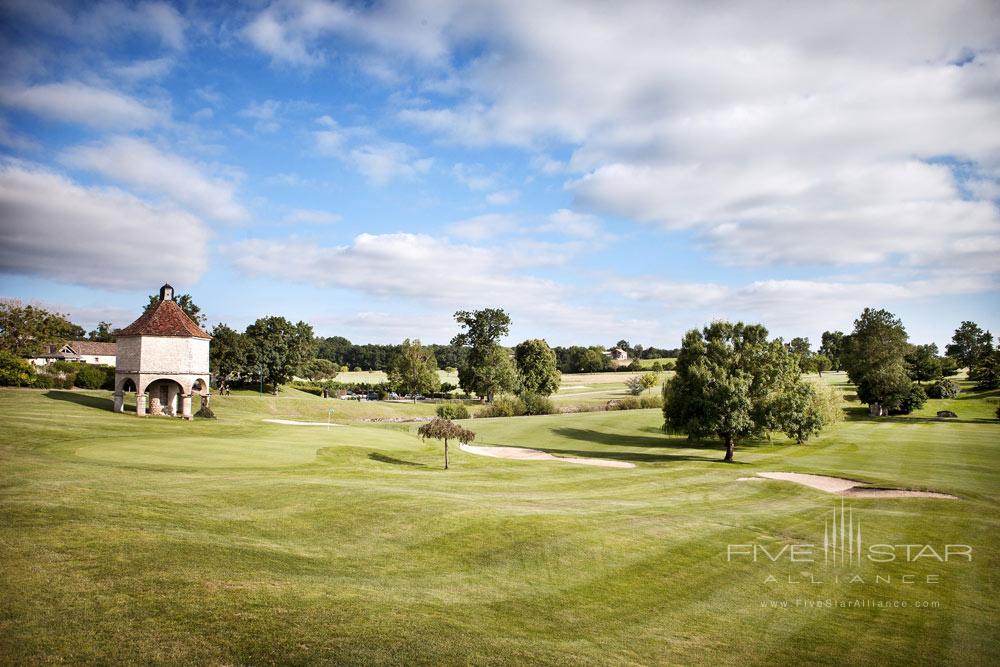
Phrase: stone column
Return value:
(205, 400)
(140, 404)
(119, 402)
(186, 406)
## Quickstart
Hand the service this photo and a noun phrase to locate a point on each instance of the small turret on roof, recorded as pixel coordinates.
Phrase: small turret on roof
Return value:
(166, 318)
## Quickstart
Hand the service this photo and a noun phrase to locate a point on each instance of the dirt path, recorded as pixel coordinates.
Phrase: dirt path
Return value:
(525, 454)
(845, 487)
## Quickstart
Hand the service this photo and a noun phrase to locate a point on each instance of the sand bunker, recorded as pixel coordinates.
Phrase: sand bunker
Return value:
(295, 423)
(524, 454)
(845, 487)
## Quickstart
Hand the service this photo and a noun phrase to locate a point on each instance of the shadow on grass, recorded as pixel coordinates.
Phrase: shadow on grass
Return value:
(640, 457)
(382, 458)
(81, 399)
(661, 442)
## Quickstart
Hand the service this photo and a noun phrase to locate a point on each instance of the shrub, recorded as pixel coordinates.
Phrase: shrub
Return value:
(536, 404)
(669, 365)
(90, 377)
(634, 385)
(912, 399)
(943, 389)
(15, 371)
(447, 387)
(657, 367)
(627, 403)
(651, 402)
(503, 406)
(452, 410)
(43, 381)
(205, 413)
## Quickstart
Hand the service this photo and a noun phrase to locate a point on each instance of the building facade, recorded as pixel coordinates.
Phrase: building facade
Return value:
(163, 358)
(84, 351)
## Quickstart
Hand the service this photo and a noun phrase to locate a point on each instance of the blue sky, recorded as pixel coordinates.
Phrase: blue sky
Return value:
(602, 172)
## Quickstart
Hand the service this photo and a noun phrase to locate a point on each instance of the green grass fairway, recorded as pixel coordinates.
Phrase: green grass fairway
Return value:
(235, 541)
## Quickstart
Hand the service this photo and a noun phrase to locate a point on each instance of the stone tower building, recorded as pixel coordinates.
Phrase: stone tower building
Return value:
(165, 354)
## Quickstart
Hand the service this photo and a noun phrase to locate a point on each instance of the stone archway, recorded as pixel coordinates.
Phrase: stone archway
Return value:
(167, 398)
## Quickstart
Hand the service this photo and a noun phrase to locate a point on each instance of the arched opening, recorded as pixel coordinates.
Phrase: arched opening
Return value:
(198, 386)
(127, 386)
(164, 397)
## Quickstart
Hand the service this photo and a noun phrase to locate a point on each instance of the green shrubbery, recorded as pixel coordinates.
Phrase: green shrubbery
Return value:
(205, 413)
(536, 404)
(913, 399)
(504, 405)
(627, 403)
(90, 377)
(943, 389)
(651, 402)
(453, 410)
(15, 371)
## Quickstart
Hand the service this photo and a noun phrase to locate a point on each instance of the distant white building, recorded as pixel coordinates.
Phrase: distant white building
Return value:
(616, 354)
(163, 354)
(84, 351)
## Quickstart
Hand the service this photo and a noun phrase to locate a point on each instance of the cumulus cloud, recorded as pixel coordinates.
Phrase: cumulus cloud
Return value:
(415, 266)
(59, 230)
(81, 103)
(106, 21)
(482, 227)
(302, 216)
(571, 223)
(378, 160)
(502, 197)
(139, 163)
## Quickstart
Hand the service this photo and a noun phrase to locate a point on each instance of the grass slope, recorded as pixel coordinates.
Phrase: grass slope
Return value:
(240, 542)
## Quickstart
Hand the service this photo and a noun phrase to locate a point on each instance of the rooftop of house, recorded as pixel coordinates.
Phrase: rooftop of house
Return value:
(166, 318)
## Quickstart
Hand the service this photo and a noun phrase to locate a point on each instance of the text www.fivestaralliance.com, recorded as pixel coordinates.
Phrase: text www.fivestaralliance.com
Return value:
(849, 603)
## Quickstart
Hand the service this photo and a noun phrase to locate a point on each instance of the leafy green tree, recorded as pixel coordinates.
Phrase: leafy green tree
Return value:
(923, 363)
(445, 429)
(634, 385)
(986, 372)
(187, 304)
(414, 370)
(103, 333)
(728, 377)
(536, 366)
(334, 348)
(875, 361)
(648, 380)
(318, 369)
(488, 369)
(799, 347)
(489, 374)
(969, 344)
(796, 413)
(949, 366)
(276, 347)
(15, 371)
(227, 355)
(833, 347)
(26, 330)
(821, 363)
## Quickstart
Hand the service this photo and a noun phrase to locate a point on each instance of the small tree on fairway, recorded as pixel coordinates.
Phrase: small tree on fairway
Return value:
(648, 380)
(536, 366)
(822, 363)
(276, 347)
(445, 429)
(728, 376)
(923, 363)
(634, 385)
(875, 359)
(227, 355)
(969, 344)
(414, 370)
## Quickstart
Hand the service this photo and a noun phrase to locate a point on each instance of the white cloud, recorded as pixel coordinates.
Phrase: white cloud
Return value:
(571, 223)
(383, 162)
(143, 165)
(144, 69)
(301, 216)
(502, 197)
(83, 104)
(59, 230)
(474, 177)
(414, 266)
(482, 227)
(107, 21)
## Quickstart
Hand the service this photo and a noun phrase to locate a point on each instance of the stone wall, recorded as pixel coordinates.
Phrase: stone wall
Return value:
(170, 355)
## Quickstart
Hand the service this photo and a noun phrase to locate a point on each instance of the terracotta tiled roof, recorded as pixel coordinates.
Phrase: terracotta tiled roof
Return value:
(164, 319)
(93, 348)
